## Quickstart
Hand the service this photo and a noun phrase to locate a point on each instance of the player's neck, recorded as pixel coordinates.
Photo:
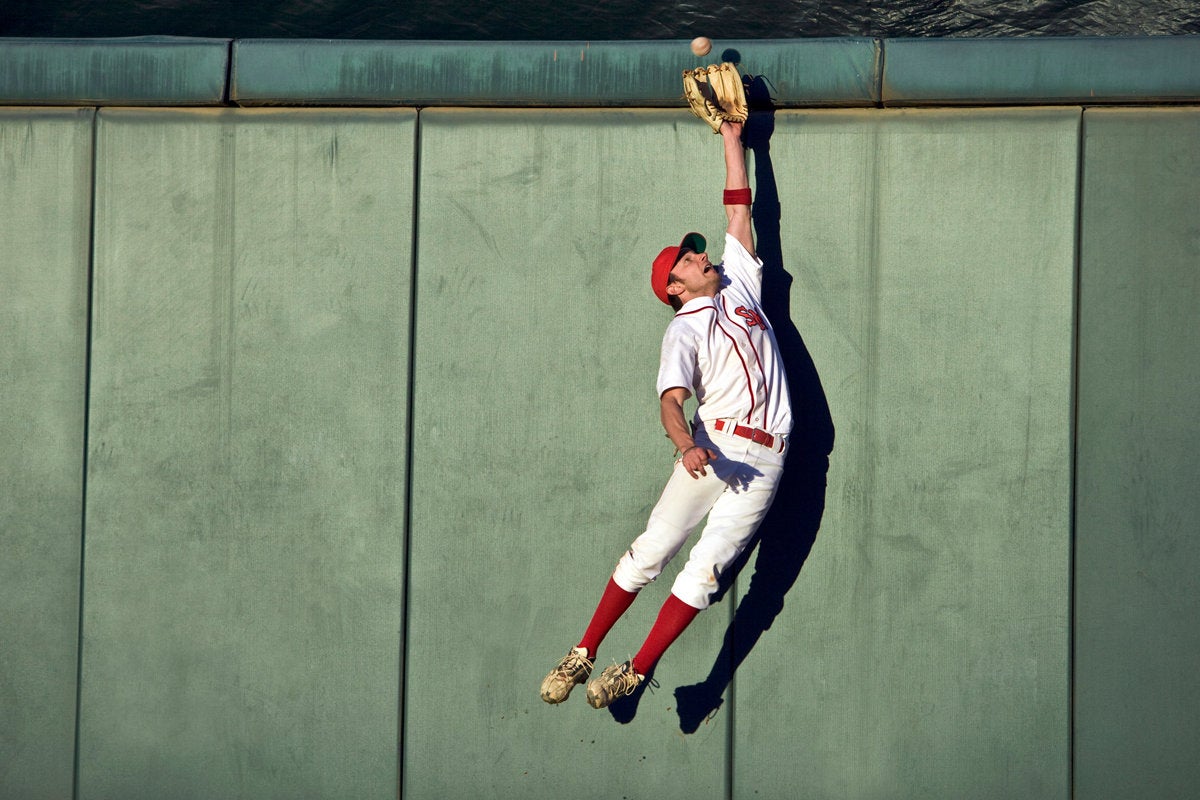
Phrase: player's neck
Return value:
(688, 297)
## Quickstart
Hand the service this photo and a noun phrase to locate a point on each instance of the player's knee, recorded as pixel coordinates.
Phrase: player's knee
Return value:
(695, 589)
(632, 574)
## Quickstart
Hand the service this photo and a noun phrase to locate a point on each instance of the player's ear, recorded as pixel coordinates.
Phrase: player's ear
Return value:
(674, 287)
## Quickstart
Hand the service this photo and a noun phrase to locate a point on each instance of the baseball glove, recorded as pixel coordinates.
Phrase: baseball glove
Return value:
(716, 94)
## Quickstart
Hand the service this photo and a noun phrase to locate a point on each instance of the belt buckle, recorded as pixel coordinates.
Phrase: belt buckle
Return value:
(756, 435)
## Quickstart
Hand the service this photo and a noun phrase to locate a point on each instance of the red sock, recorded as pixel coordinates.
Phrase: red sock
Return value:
(672, 619)
(613, 603)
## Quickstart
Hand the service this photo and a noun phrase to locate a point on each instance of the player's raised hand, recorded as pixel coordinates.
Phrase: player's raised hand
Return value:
(696, 458)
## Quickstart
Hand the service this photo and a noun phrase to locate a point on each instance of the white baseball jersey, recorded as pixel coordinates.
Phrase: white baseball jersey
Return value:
(722, 349)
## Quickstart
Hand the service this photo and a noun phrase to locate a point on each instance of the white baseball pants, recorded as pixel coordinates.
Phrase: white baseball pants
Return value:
(735, 493)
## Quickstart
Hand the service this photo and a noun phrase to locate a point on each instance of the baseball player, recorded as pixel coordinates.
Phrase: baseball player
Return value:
(720, 348)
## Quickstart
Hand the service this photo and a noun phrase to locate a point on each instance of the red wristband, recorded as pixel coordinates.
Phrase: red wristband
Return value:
(737, 197)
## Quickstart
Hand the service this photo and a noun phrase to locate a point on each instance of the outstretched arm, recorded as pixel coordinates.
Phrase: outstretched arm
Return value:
(737, 178)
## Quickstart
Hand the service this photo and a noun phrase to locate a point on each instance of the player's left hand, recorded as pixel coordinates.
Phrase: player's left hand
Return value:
(696, 458)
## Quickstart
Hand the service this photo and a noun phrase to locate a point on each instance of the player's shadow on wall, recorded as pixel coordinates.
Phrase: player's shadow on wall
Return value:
(789, 530)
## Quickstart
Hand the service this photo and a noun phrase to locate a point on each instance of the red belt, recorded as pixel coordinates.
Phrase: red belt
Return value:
(753, 434)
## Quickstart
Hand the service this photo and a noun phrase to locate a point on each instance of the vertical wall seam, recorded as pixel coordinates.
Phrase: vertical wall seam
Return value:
(83, 478)
(731, 732)
(406, 548)
(1073, 438)
(880, 66)
(227, 89)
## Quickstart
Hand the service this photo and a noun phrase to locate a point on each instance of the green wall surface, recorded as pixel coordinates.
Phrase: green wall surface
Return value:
(1137, 599)
(843, 72)
(537, 454)
(807, 72)
(134, 70)
(244, 559)
(537, 447)
(288, 591)
(45, 215)
(1041, 70)
(923, 651)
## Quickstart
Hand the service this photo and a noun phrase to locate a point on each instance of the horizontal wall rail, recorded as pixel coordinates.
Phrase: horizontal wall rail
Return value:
(847, 72)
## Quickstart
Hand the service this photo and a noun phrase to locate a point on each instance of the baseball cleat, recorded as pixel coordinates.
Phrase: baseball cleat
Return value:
(617, 681)
(574, 669)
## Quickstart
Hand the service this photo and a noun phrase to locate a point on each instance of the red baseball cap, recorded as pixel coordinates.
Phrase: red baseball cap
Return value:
(660, 272)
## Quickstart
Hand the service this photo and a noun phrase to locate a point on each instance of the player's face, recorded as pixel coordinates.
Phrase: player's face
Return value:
(696, 274)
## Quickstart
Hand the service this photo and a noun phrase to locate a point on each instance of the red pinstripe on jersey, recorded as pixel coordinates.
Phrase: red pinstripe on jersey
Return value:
(757, 357)
(745, 369)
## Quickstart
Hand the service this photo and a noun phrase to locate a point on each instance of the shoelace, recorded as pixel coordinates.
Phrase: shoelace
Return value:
(625, 681)
(573, 664)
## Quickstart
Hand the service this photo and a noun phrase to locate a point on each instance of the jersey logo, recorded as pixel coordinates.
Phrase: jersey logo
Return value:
(752, 317)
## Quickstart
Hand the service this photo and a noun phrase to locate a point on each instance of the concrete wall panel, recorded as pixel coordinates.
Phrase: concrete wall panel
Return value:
(923, 650)
(244, 559)
(902, 629)
(537, 448)
(1136, 547)
(45, 226)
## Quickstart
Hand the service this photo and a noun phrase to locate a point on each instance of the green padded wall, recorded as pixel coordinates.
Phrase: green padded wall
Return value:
(537, 447)
(45, 226)
(246, 546)
(1137, 599)
(246, 502)
(932, 263)
(923, 652)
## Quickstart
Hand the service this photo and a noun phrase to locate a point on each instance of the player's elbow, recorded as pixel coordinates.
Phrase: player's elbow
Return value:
(673, 399)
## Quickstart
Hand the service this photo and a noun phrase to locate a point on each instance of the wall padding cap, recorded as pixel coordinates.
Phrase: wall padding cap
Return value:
(150, 70)
(840, 72)
(1041, 70)
(796, 72)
